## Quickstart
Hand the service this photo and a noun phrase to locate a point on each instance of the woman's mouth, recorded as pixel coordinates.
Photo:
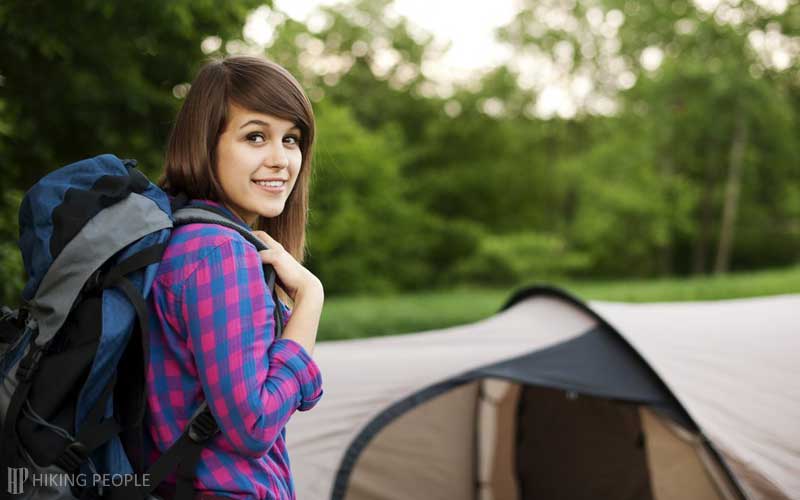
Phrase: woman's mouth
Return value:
(271, 186)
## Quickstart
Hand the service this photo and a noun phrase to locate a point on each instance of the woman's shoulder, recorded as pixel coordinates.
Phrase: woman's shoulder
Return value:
(192, 244)
(202, 235)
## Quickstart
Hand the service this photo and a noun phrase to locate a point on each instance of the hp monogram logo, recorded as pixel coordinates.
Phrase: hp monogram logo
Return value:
(16, 478)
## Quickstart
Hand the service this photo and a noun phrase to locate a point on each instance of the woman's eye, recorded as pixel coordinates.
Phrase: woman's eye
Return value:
(293, 140)
(255, 136)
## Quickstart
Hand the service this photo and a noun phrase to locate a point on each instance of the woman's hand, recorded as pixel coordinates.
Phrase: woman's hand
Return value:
(296, 279)
(304, 288)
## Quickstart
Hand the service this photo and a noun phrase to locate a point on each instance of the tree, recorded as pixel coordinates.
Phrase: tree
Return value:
(365, 234)
(82, 78)
(720, 101)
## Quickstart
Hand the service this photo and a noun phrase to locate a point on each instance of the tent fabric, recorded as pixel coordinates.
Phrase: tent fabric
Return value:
(675, 464)
(364, 377)
(735, 367)
(438, 457)
(730, 364)
(497, 440)
(597, 363)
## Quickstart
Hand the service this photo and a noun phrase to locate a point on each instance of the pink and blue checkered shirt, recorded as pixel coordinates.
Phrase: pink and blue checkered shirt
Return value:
(212, 338)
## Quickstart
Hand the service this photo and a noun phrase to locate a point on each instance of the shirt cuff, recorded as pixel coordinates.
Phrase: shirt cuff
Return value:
(293, 356)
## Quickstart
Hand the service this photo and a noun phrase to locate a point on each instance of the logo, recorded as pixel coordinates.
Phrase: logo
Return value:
(16, 478)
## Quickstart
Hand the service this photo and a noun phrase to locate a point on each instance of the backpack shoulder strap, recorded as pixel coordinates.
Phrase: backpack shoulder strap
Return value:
(182, 457)
(209, 215)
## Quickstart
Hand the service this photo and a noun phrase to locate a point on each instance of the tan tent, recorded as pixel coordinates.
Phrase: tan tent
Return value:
(553, 399)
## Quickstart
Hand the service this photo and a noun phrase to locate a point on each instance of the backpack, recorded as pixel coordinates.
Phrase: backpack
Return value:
(72, 356)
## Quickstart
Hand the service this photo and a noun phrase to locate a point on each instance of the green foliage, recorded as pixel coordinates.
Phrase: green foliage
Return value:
(83, 78)
(368, 316)
(86, 77)
(628, 206)
(365, 234)
(11, 272)
(414, 190)
(679, 131)
(356, 36)
(520, 257)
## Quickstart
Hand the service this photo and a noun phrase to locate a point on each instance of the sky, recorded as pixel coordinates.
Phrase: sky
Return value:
(471, 35)
(472, 45)
(473, 48)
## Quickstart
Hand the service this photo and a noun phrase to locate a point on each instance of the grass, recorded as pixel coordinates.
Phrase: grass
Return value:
(368, 316)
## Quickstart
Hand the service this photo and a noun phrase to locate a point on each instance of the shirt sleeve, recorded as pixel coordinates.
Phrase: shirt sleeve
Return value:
(253, 382)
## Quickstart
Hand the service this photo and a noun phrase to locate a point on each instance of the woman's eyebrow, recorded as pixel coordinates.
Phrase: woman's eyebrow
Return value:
(257, 122)
(261, 122)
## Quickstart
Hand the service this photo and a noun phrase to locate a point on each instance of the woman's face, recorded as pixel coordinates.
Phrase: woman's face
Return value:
(258, 161)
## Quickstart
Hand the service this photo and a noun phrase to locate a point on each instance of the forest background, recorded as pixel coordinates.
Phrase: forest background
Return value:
(678, 156)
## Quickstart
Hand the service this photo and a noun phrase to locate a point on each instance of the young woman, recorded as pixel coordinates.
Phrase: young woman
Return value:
(242, 143)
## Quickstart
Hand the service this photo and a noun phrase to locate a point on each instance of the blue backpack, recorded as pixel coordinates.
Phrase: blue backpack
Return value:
(72, 357)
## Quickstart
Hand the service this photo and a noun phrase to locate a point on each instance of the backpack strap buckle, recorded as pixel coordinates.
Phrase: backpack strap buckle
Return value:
(29, 364)
(202, 427)
(73, 456)
(93, 283)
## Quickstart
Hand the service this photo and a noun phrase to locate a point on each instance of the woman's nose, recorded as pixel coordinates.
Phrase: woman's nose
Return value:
(276, 156)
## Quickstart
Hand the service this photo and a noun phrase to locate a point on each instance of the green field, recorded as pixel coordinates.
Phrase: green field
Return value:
(366, 316)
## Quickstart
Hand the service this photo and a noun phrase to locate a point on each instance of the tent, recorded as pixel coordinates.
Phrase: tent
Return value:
(553, 398)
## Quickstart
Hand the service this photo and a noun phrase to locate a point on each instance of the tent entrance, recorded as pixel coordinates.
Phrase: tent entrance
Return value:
(567, 446)
(590, 447)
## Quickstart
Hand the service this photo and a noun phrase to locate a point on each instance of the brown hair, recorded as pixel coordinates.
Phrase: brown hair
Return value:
(258, 85)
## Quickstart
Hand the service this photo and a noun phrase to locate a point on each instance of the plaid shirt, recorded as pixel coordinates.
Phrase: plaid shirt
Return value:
(212, 338)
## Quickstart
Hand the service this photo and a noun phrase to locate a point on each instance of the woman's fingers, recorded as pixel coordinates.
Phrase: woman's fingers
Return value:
(274, 251)
(272, 257)
(284, 264)
(292, 275)
(268, 240)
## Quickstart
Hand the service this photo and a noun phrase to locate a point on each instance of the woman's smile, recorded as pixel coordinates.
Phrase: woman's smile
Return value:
(271, 186)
